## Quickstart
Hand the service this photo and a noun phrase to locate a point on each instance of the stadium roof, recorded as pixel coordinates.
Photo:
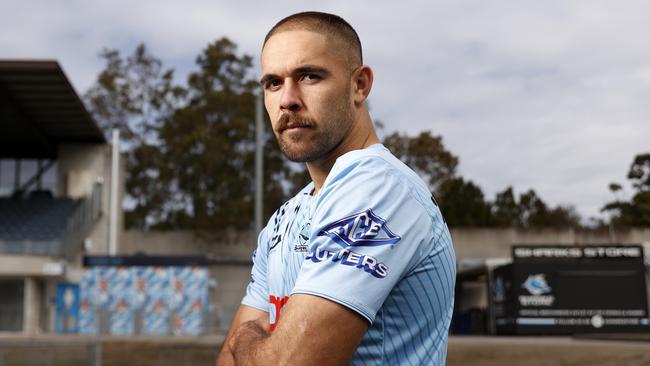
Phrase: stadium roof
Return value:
(39, 110)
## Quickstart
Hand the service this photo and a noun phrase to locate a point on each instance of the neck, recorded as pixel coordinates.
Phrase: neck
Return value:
(361, 135)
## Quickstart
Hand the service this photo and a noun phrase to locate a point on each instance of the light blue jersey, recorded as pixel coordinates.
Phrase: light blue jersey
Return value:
(373, 240)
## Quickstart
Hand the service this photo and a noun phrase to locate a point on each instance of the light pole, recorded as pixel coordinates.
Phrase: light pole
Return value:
(259, 162)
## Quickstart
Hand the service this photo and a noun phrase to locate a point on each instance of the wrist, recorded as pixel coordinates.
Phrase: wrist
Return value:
(246, 339)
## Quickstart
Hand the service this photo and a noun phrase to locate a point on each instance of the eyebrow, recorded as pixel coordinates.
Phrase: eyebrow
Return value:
(305, 69)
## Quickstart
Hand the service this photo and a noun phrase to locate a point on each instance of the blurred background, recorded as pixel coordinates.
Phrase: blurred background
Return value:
(128, 200)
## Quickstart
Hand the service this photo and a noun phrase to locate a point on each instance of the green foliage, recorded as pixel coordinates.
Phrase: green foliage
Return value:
(639, 172)
(136, 95)
(636, 211)
(506, 211)
(462, 203)
(190, 151)
(426, 155)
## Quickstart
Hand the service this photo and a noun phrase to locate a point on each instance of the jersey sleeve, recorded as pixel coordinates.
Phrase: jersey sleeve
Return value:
(257, 292)
(367, 232)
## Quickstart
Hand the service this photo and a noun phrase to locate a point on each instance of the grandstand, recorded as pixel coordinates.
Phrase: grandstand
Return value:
(54, 179)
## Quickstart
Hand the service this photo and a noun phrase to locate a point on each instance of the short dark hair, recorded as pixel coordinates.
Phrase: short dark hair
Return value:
(324, 23)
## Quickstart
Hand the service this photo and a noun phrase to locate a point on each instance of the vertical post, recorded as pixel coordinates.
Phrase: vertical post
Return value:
(48, 360)
(39, 181)
(16, 175)
(112, 219)
(612, 233)
(259, 163)
(98, 352)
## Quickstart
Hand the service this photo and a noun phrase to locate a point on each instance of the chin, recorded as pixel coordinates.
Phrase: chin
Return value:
(299, 155)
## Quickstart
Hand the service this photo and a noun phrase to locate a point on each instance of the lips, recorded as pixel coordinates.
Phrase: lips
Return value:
(294, 126)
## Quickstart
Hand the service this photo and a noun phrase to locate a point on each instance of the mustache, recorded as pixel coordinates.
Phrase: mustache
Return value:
(291, 120)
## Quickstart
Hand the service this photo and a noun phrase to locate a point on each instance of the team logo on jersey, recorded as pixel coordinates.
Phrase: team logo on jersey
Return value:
(362, 229)
(303, 238)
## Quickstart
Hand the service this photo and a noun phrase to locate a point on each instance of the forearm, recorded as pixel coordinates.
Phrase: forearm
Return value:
(243, 315)
(249, 344)
(225, 357)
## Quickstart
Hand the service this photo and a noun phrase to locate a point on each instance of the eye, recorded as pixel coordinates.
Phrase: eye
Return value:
(310, 77)
(273, 84)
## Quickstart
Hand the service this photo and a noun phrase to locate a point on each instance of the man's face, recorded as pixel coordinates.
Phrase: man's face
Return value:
(307, 92)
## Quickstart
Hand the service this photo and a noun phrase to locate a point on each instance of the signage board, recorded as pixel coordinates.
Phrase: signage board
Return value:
(571, 289)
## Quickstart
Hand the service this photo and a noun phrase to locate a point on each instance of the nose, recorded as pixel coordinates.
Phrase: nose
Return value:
(290, 100)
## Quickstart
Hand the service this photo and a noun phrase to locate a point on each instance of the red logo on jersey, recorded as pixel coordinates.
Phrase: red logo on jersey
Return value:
(278, 303)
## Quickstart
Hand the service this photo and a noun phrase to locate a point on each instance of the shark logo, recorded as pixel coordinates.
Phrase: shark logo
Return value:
(362, 229)
(536, 284)
(303, 238)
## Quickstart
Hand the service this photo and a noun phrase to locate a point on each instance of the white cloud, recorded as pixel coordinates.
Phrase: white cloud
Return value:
(547, 95)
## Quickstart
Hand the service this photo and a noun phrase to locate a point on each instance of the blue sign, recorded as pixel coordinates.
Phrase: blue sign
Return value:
(67, 308)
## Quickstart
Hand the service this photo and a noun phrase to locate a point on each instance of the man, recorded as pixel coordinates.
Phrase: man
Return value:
(358, 267)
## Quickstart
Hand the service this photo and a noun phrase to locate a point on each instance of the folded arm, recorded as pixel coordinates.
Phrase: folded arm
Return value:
(243, 315)
(311, 331)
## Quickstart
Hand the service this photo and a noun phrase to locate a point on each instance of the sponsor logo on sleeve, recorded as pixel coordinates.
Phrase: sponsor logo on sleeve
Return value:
(361, 229)
(347, 257)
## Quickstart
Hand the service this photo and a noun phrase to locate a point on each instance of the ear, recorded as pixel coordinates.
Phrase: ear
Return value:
(361, 84)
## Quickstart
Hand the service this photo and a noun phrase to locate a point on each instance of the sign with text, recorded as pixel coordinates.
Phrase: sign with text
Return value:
(572, 289)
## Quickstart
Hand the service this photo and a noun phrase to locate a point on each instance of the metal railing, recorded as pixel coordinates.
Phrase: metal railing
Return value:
(81, 221)
(85, 214)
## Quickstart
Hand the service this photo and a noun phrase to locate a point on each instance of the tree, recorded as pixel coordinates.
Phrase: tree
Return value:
(462, 203)
(189, 150)
(532, 212)
(426, 155)
(636, 211)
(639, 173)
(135, 95)
(209, 145)
(506, 211)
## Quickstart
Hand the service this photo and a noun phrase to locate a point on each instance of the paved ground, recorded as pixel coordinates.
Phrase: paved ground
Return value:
(542, 351)
(57, 350)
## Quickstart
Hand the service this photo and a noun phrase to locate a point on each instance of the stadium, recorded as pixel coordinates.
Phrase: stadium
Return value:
(77, 288)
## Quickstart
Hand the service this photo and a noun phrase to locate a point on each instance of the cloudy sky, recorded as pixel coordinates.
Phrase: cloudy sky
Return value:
(552, 95)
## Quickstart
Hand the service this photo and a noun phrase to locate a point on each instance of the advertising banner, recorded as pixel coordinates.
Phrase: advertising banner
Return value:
(572, 289)
(149, 299)
(67, 308)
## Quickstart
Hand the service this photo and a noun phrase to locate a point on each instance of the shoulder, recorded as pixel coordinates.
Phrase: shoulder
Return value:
(375, 167)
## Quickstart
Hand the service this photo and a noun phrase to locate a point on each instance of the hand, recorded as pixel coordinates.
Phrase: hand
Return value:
(243, 314)
(249, 332)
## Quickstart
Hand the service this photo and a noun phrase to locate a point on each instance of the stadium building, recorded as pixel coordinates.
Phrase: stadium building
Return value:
(56, 227)
(55, 183)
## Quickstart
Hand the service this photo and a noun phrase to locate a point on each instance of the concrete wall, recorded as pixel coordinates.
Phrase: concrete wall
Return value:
(26, 266)
(237, 245)
(233, 253)
(469, 243)
(80, 166)
(232, 271)
(495, 243)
